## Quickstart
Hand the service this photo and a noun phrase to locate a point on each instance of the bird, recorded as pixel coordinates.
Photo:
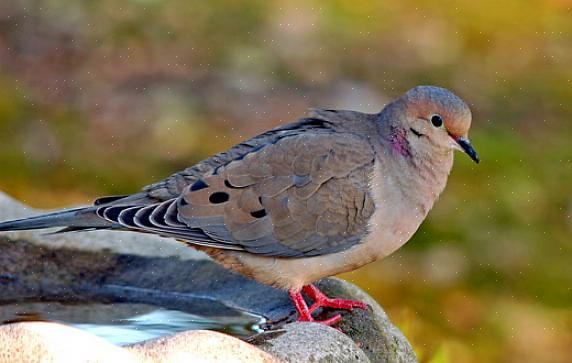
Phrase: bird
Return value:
(326, 194)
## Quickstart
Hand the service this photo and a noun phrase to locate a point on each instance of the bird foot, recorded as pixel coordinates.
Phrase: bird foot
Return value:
(321, 301)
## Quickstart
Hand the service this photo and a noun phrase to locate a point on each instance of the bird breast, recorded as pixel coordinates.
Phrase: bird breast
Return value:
(399, 211)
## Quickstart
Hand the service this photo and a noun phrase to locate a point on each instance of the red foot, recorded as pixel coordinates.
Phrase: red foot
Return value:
(321, 301)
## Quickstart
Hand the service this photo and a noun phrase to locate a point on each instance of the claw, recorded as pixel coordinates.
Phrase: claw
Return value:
(321, 301)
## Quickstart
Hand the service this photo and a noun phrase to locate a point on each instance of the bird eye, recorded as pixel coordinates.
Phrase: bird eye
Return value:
(437, 120)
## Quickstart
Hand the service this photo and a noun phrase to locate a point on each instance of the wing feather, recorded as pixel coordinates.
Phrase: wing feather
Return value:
(286, 193)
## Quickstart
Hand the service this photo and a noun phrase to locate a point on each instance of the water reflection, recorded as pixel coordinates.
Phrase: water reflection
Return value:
(127, 323)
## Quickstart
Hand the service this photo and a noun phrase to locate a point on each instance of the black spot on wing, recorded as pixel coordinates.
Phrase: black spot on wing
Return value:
(219, 197)
(198, 185)
(230, 186)
(258, 213)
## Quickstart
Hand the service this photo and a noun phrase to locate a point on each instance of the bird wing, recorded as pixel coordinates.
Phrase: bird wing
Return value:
(289, 194)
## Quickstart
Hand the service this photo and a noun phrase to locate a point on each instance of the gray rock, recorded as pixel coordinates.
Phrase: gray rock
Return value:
(105, 266)
(371, 330)
(309, 342)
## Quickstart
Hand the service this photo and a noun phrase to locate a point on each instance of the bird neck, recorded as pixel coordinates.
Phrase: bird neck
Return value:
(418, 171)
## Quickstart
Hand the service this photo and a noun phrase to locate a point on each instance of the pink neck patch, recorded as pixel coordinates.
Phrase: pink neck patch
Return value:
(399, 142)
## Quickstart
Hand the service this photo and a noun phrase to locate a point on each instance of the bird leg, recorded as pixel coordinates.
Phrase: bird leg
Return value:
(304, 312)
(320, 301)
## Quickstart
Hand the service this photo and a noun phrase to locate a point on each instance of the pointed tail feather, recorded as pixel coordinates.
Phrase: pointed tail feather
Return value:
(76, 218)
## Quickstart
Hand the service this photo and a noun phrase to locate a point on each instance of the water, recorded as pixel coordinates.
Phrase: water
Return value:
(128, 323)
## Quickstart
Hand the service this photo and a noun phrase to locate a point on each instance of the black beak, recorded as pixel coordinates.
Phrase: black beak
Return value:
(468, 149)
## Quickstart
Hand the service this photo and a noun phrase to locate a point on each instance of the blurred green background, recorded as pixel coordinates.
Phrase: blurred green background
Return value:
(102, 97)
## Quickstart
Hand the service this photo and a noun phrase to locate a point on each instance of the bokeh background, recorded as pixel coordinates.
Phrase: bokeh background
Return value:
(102, 97)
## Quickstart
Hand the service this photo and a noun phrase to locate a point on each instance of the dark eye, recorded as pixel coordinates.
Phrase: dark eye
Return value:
(437, 120)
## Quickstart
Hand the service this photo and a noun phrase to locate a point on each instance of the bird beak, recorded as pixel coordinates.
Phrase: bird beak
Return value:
(466, 146)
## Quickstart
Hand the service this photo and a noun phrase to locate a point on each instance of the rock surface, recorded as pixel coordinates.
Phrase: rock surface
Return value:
(129, 267)
(50, 342)
(199, 346)
(310, 342)
(371, 330)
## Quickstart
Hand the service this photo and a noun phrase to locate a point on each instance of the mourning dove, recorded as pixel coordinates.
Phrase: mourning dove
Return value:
(314, 198)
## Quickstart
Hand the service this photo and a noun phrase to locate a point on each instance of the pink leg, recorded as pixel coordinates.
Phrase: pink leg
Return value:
(303, 311)
(320, 300)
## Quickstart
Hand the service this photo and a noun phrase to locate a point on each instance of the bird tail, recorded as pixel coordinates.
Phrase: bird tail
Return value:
(74, 219)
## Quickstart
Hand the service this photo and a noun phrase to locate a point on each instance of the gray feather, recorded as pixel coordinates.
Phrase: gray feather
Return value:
(79, 218)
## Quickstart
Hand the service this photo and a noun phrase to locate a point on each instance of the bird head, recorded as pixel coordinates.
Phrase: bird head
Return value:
(433, 119)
